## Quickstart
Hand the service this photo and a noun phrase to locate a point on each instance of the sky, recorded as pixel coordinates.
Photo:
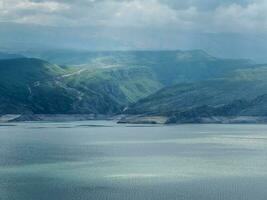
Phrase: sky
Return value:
(219, 26)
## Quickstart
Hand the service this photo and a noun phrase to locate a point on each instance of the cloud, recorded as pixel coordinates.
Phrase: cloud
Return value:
(25, 11)
(43, 6)
(194, 15)
(13, 6)
(235, 17)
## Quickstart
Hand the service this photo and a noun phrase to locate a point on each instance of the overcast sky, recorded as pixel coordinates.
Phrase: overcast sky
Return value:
(157, 19)
(201, 15)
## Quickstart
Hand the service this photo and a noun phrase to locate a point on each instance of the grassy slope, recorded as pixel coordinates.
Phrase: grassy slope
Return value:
(169, 67)
(247, 83)
(33, 85)
(119, 79)
(256, 107)
(135, 75)
(125, 85)
(29, 84)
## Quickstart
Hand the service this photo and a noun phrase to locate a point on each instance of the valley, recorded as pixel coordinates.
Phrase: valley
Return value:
(141, 86)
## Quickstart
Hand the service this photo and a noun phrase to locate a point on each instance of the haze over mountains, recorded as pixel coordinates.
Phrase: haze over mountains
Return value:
(228, 29)
(183, 86)
(31, 38)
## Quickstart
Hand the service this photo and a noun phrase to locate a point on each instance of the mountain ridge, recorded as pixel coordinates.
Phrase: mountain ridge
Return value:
(160, 83)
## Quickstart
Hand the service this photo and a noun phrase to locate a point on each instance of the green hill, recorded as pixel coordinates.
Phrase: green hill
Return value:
(28, 85)
(169, 67)
(33, 85)
(247, 108)
(147, 82)
(126, 85)
(189, 95)
(210, 97)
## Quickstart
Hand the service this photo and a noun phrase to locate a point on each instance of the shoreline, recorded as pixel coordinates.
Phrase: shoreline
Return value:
(131, 119)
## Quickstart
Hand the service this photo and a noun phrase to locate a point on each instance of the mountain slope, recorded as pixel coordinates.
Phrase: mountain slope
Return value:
(33, 85)
(253, 108)
(111, 81)
(131, 84)
(241, 84)
(169, 67)
(29, 85)
(185, 96)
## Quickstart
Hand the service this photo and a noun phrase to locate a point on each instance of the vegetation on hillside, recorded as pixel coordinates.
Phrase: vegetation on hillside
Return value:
(167, 83)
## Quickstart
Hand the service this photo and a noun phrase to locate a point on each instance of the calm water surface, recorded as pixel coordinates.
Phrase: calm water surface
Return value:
(104, 161)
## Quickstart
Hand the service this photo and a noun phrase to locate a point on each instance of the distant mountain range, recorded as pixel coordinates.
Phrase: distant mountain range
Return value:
(41, 39)
(9, 56)
(182, 86)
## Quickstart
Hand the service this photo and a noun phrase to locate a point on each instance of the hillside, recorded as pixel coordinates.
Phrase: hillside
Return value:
(127, 85)
(210, 97)
(28, 85)
(169, 67)
(33, 85)
(253, 108)
(188, 95)
(145, 82)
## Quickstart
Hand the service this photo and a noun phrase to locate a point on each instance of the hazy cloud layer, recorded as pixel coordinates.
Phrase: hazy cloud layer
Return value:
(196, 15)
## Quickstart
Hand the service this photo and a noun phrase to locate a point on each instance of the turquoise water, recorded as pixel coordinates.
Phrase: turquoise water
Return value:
(102, 160)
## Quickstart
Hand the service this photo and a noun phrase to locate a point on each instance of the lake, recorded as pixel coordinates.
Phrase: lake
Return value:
(101, 160)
